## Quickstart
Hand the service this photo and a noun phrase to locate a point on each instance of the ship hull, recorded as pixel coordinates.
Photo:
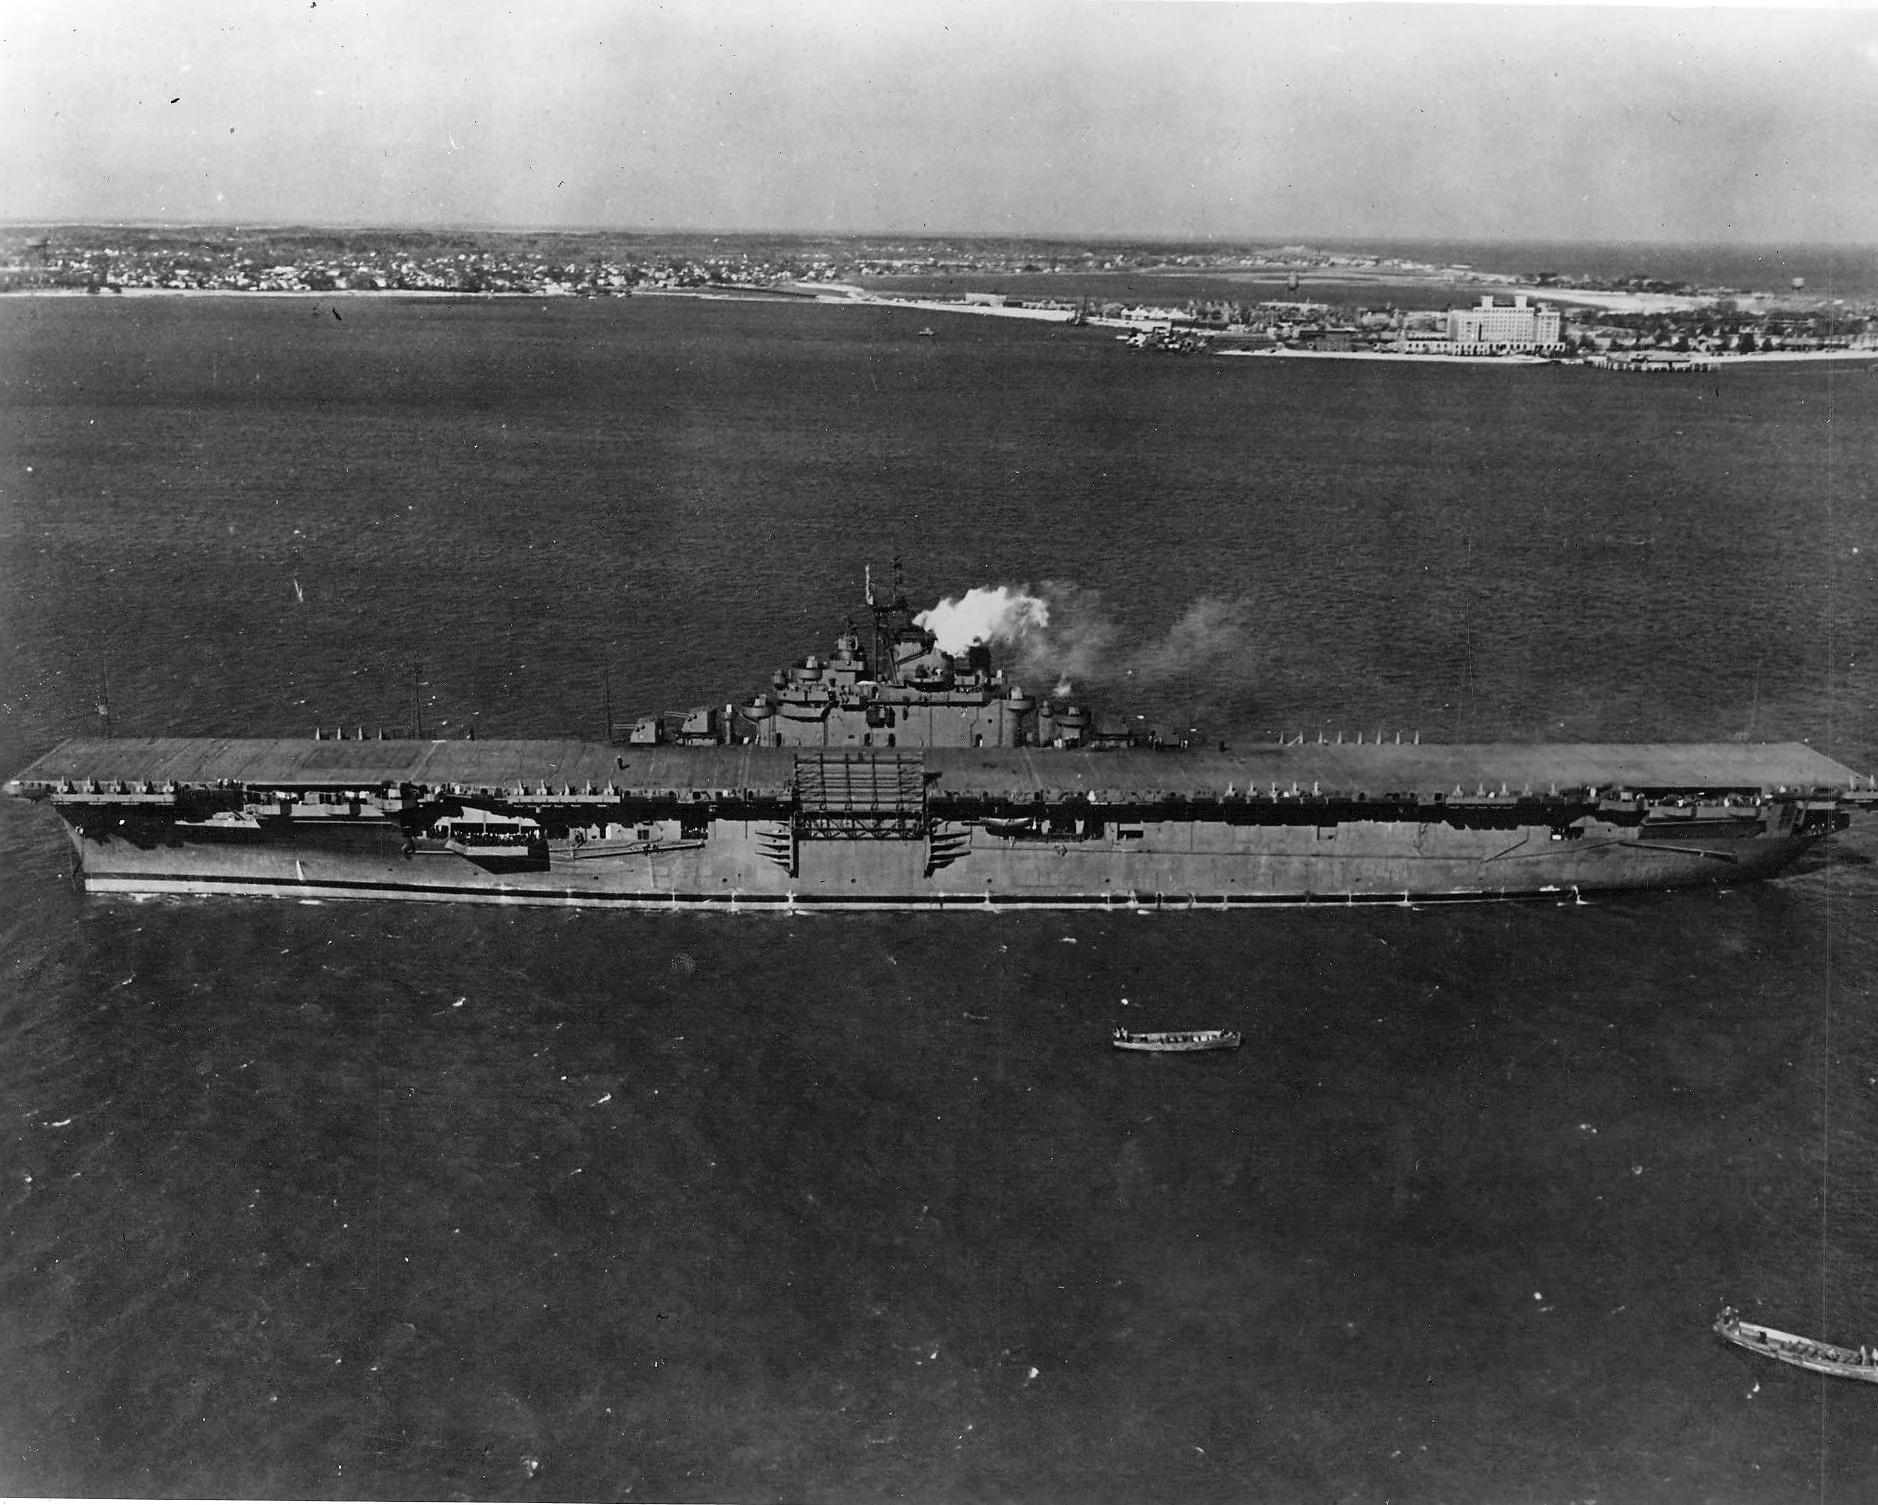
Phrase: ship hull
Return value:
(750, 828)
(752, 865)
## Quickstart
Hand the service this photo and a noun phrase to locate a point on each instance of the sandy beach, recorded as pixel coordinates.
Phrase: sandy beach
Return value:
(1709, 362)
(1622, 302)
(1389, 355)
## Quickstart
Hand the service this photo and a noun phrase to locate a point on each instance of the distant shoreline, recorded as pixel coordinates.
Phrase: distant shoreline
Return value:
(106, 294)
(1465, 293)
(848, 296)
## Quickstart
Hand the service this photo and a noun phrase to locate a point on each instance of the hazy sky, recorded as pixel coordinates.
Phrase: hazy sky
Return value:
(1177, 120)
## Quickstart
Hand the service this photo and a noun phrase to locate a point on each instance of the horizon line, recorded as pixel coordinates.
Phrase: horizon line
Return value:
(1309, 241)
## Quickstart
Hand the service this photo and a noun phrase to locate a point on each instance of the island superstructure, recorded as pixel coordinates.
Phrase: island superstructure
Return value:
(895, 775)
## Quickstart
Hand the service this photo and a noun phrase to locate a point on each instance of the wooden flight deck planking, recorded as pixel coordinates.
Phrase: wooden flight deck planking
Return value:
(522, 769)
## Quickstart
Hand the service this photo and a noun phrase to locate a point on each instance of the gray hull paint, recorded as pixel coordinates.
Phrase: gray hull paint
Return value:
(749, 865)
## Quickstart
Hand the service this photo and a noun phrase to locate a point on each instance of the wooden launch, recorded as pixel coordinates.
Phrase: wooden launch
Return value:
(1803, 1353)
(1176, 1039)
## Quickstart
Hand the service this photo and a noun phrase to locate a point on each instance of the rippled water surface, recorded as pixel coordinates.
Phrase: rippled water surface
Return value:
(412, 1201)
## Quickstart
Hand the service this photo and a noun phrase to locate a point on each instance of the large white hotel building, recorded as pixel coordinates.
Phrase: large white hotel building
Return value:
(1488, 329)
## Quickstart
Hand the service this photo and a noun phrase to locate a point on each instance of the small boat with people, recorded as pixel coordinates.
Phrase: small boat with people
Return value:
(1176, 1039)
(1859, 1363)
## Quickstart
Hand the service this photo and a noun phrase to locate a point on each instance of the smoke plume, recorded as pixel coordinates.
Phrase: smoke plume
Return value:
(985, 614)
(1063, 636)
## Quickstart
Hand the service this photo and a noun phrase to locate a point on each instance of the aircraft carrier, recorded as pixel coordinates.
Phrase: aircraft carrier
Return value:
(894, 775)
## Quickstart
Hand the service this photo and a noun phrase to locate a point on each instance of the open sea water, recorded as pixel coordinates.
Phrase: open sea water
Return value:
(368, 1201)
